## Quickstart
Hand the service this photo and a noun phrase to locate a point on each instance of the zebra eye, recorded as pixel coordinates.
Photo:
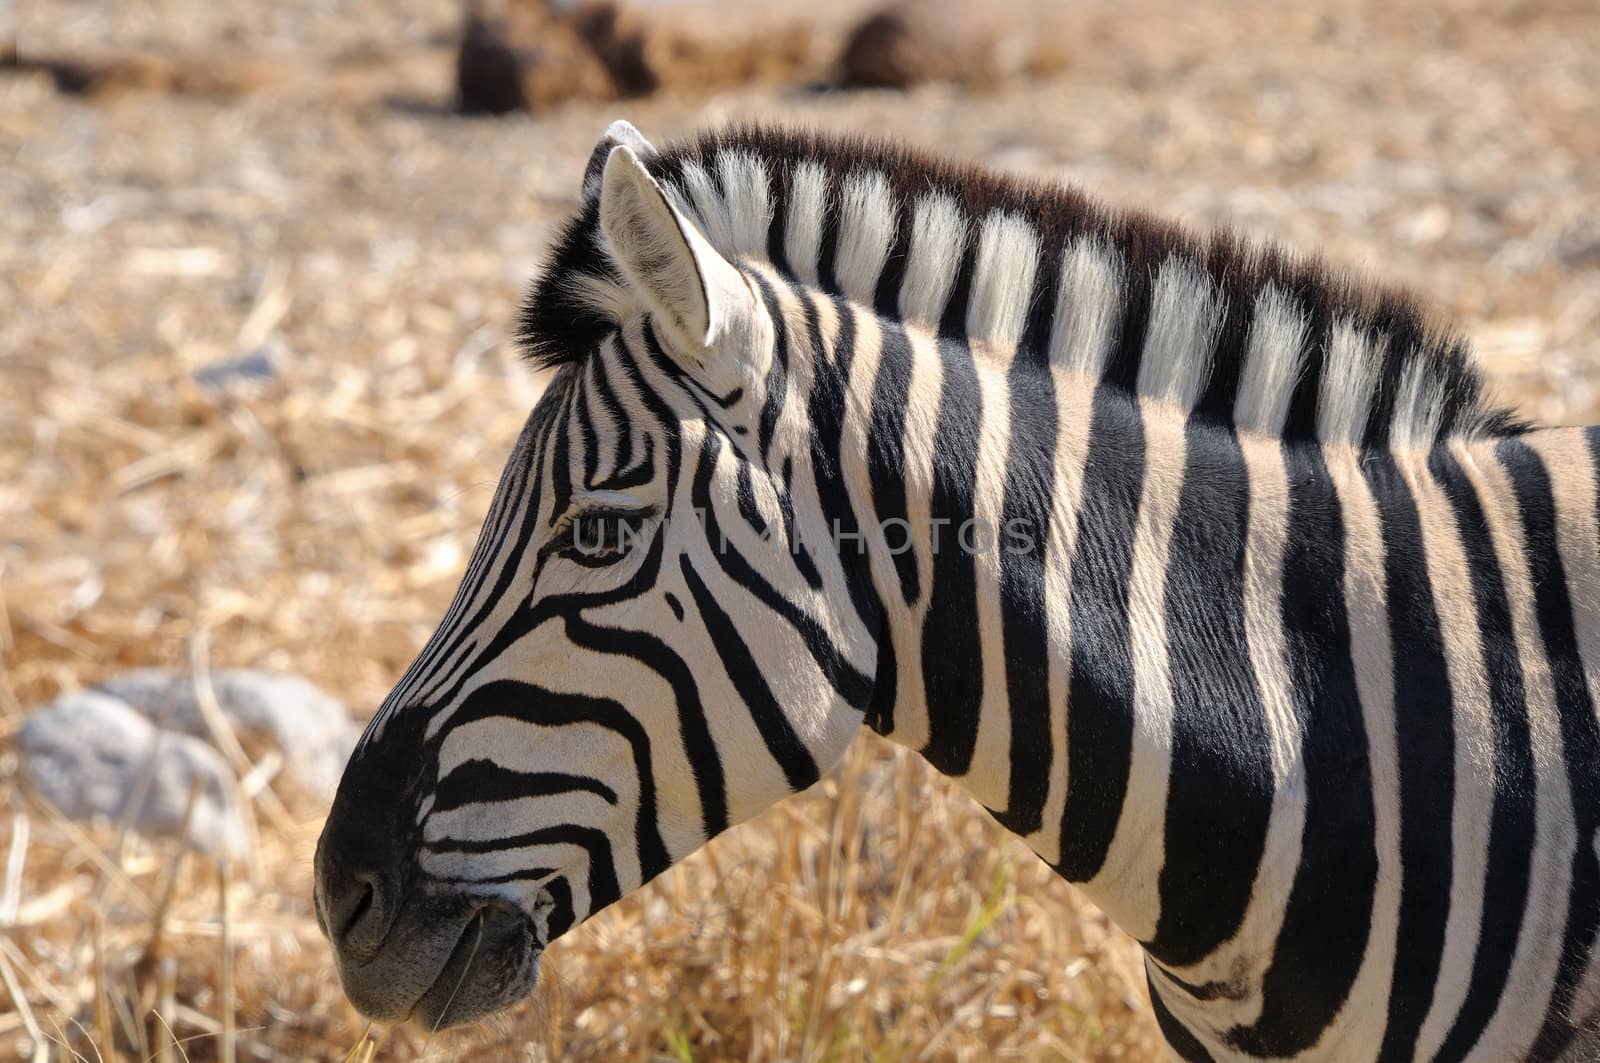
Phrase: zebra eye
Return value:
(602, 536)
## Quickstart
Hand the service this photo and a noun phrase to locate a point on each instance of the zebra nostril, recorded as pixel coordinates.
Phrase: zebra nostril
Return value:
(362, 907)
(358, 914)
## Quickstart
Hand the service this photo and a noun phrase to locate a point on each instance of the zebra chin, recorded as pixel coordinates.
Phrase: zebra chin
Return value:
(449, 960)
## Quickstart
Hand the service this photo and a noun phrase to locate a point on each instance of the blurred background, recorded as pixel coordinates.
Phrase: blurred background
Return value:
(259, 268)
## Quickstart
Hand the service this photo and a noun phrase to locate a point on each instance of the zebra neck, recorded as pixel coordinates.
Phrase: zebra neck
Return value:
(1203, 673)
(1008, 495)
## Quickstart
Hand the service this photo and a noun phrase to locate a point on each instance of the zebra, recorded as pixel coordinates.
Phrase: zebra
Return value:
(1208, 570)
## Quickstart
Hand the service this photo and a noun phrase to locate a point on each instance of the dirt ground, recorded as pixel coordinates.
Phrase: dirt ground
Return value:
(374, 247)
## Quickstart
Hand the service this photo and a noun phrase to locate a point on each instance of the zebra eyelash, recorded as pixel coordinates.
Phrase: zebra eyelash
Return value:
(601, 535)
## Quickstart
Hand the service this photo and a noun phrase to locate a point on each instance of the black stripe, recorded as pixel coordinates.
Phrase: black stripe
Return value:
(778, 226)
(1301, 422)
(828, 250)
(603, 885)
(1328, 918)
(886, 455)
(586, 427)
(1127, 348)
(777, 384)
(952, 657)
(632, 365)
(791, 754)
(1226, 368)
(1100, 698)
(1511, 820)
(885, 688)
(530, 874)
(561, 915)
(601, 374)
(1425, 743)
(1023, 545)
(791, 530)
(953, 323)
(1220, 785)
(1033, 349)
(749, 511)
(1401, 328)
(1580, 733)
(481, 781)
(627, 477)
(561, 460)
(886, 297)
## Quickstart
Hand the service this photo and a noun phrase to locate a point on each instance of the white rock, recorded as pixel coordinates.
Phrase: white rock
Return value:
(267, 710)
(92, 756)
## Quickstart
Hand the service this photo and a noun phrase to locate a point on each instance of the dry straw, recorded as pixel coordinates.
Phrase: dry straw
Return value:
(373, 251)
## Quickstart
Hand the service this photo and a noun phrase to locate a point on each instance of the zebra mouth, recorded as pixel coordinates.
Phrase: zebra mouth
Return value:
(494, 964)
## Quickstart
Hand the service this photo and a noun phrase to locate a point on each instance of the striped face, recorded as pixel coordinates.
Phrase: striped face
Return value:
(655, 639)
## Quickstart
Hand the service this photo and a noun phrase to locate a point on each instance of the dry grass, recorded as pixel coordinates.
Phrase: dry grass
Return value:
(317, 522)
(819, 931)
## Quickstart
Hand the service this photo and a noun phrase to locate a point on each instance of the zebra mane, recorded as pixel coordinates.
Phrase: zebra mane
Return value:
(1244, 333)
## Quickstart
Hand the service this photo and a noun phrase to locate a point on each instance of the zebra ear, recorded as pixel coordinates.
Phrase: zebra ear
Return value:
(688, 285)
(618, 133)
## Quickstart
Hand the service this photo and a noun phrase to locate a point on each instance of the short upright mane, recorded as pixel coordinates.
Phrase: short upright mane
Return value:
(1323, 347)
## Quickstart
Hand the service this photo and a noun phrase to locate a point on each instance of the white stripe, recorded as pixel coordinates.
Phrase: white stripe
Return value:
(1245, 957)
(802, 239)
(1185, 315)
(749, 200)
(1446, 563)
(1127, 885)
(866, 230)
(1354, 1033)
(906, 621)
(606, 430)
(708, 206)
(484, 821)
(1002, 281)
(571, 859)
(1088, 308)
(1534, 963)
(988, 777)
(1418, 406)
(1349, 375)
(1566, 458)
(938, 237)
(1074, 414)
(1273, 359)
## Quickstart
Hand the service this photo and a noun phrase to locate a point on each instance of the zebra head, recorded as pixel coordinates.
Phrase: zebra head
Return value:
(660, 632)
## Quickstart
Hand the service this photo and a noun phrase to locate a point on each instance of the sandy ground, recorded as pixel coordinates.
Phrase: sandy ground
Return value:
(377, 246)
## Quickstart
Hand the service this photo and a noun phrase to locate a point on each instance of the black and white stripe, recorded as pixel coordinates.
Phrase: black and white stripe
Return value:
(1295, 671)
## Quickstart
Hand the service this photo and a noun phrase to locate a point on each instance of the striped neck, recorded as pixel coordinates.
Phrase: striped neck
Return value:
(1164, 652)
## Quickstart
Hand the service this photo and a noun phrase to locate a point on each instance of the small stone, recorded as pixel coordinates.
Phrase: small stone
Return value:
(268, 711)
(249, 369)
(93, 756)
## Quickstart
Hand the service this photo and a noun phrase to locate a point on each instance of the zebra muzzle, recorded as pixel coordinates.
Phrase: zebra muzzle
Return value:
(449, 958)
